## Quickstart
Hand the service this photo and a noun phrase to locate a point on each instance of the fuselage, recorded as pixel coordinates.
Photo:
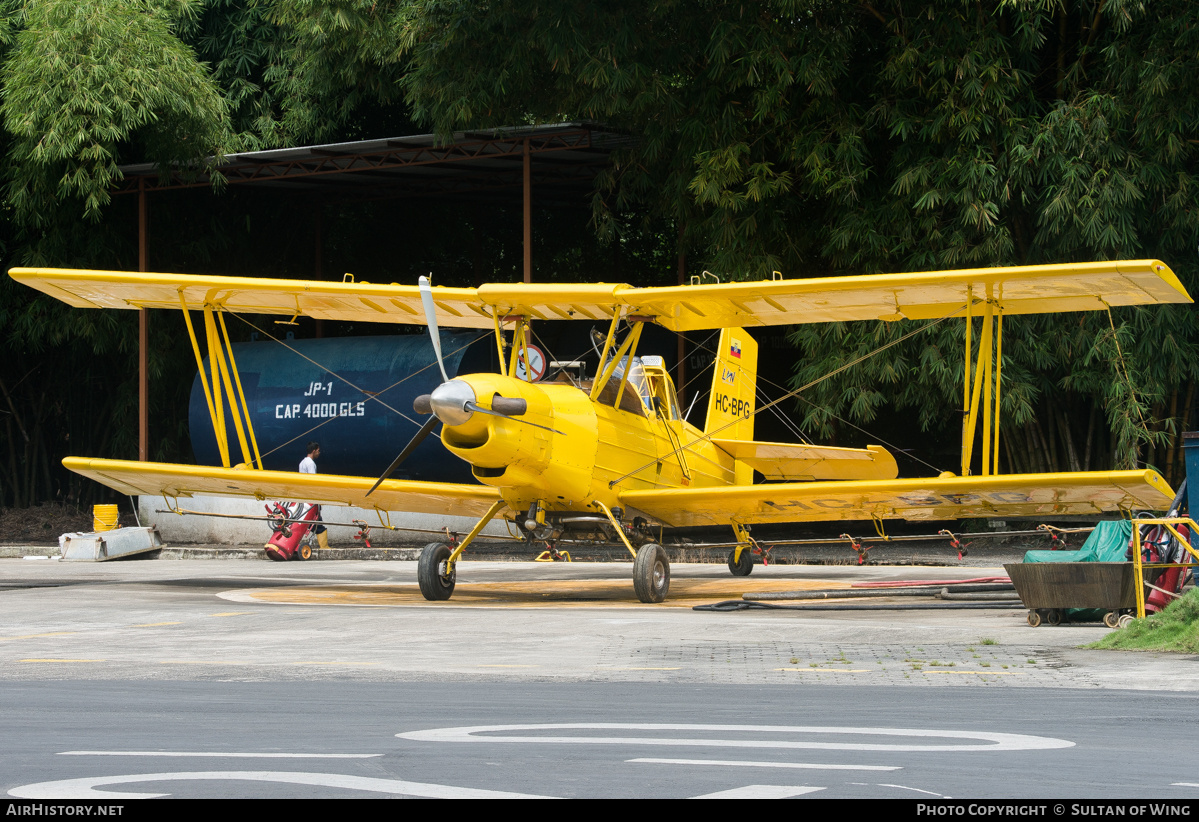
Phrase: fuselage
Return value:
(567, 450)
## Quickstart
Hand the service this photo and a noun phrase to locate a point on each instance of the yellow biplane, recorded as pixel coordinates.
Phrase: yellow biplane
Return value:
(610, 451)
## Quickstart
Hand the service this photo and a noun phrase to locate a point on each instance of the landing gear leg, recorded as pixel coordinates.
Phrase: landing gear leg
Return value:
(741, 558)
(651, 566)
(435, 572)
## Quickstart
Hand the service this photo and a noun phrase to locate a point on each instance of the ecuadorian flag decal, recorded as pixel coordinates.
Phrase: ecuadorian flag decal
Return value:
(735, 348)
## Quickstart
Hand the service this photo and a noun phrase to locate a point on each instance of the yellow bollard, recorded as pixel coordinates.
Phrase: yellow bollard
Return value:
(104, 517)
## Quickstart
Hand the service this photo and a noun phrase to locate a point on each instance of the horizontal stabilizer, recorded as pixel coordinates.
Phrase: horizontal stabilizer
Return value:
(158, 479)
(787, 461)
(941, 498)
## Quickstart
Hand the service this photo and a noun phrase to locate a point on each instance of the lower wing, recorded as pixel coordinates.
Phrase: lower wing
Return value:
(158, 478)
(1016, 495)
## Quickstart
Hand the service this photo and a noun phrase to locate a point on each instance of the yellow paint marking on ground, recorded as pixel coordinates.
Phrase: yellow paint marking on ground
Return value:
(507, 666)
(64, 660)
(232, 613)
(154, 624)
(35, 636)
(585, 593)
(334, 663)
(983, 673)
(831, 670)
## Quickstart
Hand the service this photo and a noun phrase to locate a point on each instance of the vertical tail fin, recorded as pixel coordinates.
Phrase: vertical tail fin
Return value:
(734, 382)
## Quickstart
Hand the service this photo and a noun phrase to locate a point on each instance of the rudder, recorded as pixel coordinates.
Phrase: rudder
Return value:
(731, 403)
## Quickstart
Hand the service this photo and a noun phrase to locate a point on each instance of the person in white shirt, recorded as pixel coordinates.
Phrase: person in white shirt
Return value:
(308, 466)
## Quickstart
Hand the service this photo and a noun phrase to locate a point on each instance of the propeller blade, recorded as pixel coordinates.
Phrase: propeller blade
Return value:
(408, 449)
(426, 298)
(470, 406)
(509, 406)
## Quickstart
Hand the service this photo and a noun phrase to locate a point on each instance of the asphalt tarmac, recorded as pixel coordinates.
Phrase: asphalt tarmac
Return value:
(242, 679)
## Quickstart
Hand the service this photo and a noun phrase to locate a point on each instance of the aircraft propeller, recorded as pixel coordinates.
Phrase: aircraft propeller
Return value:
(453, 402)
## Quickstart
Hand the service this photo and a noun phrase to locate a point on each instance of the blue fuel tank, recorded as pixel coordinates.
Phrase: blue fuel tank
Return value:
(294, 397)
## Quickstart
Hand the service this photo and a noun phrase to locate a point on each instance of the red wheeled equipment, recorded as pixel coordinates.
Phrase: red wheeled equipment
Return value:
(288, 540)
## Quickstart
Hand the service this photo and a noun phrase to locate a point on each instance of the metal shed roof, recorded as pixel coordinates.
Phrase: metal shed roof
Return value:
(564, 159)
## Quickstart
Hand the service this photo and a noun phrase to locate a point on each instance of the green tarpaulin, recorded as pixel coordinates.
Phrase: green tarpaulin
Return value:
(1107, 543)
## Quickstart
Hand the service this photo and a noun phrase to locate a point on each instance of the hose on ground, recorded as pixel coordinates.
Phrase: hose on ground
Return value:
(742, 605)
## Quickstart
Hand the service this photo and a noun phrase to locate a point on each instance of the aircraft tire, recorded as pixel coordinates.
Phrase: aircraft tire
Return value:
(743, 568)
(433, 586)
(651, 573)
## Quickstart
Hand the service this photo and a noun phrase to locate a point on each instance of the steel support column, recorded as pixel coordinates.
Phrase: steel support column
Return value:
(681, 373)
(143, 335)
(528, 212)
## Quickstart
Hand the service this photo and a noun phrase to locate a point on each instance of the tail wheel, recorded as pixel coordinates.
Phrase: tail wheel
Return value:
(305, 551)
(742, 567)
(435, 584)
(651, 573)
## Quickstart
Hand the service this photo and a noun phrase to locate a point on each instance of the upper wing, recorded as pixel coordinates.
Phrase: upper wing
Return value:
(1018, 289)
(1017, 495)
(1032, 289)
(361, 302)
(157, 478)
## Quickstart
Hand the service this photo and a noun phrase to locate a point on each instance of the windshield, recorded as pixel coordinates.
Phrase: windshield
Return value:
(636, 379)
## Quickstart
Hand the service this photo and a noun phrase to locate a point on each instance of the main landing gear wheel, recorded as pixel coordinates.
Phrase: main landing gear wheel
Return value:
(742, 567)
(435, 584)
(651, 573)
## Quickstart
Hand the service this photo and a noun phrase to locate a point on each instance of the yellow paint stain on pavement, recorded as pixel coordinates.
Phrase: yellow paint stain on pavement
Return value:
(830, 670)
(507, 666)
(312, 662)
(585, 593)
(35, 636)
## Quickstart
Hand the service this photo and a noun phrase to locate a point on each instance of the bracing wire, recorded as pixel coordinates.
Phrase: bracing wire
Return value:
(709, 434)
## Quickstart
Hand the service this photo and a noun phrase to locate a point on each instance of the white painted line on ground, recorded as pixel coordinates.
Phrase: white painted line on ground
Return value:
(906, 788)
(237, 755)
(1186, 784)
(761, 792)
(983, 740)
(742, 763)
(86, 787)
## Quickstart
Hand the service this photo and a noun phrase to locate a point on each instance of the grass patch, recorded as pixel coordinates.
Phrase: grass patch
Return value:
(1174, 629)
(988, 641)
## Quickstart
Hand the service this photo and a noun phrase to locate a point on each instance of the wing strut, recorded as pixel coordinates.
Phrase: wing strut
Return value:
(220, 388)
(977, 391)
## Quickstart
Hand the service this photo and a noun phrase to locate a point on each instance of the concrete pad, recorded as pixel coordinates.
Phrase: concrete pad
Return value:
(535, 622)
